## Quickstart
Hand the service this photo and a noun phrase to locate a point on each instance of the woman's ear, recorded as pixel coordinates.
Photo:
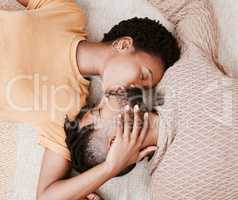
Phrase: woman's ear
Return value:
(124, 44)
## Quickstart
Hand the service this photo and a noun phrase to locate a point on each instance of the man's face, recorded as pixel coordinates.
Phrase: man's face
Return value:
(103, 135)
(104, 120)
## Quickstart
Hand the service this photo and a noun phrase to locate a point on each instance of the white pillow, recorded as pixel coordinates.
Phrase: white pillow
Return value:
(228, 27)
(104, 14)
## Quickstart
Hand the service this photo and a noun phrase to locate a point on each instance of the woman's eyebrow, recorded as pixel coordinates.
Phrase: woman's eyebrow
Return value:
(151, 73)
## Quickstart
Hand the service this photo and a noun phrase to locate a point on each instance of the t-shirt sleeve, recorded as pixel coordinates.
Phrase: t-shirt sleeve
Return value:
(35, 4)
(52, 136)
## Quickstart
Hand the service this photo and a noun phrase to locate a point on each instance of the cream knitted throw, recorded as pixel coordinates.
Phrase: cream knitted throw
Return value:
(198, 156)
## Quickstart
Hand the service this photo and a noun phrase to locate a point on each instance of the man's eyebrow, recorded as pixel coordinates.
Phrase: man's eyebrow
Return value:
(96, 110)
(85, 129)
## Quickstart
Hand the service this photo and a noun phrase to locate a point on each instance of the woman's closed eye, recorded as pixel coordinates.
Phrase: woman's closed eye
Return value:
(143, 76)
(146, 74)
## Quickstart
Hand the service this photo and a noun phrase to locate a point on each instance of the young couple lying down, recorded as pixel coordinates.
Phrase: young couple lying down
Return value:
(45, 59)
(46, 48)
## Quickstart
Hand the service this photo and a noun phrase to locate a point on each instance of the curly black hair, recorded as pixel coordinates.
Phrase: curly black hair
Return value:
(78, 138)
(148, 35)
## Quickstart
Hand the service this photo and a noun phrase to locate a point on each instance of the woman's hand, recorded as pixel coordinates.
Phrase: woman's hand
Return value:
(123, 152)
(93, 196)
(126, 149)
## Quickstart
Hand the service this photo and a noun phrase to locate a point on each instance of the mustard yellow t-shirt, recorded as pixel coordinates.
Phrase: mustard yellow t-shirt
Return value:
(39, 78)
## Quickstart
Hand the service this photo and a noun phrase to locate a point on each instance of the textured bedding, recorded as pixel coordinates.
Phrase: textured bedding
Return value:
(198, 157)
(20, 155)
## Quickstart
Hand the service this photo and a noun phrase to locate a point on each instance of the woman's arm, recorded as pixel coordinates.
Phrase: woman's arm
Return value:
(53, 183)
(23, 2)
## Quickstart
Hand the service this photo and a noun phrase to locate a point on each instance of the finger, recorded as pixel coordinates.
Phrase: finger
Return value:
(97, 197)
(146, 152)
(145, 128)
(137, 123)
(119, 128)
(127, 122)
(93, 197)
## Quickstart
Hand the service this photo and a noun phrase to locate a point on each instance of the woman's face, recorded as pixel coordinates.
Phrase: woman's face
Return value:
(136, 68)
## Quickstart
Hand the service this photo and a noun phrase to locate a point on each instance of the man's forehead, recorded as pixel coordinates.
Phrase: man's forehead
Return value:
(99, 122)
(105, 124)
